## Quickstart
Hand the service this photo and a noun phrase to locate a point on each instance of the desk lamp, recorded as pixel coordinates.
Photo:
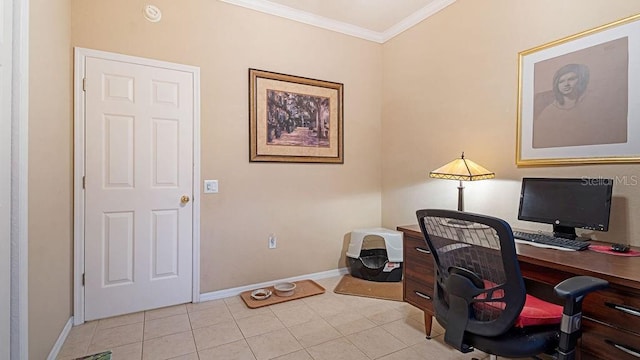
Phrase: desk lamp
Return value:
(462, 169)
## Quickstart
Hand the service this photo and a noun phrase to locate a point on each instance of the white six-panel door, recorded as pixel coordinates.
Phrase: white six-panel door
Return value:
(138, 187)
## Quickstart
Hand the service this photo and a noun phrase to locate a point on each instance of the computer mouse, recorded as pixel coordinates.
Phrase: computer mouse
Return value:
(622, 248)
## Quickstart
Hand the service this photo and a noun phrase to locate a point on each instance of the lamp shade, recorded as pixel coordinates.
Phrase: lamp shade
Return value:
(462, 169)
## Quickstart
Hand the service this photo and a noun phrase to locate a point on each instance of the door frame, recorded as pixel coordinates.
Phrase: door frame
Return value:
(19, 323)
(80, 56)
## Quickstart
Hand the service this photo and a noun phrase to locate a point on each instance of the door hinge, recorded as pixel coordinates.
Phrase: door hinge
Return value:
(84, 183)
(84, 84)
(82, 279)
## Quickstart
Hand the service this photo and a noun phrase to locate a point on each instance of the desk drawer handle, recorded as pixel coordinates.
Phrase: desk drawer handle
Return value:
(424, 251)
(424, 296)
(625, 309)
(629, 350)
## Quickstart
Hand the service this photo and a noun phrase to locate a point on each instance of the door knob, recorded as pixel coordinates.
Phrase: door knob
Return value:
(184, 199)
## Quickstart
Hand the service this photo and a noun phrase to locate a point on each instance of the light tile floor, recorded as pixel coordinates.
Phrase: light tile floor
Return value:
(322, 327)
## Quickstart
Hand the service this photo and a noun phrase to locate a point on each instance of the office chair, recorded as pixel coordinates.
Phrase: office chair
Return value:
(480, 297)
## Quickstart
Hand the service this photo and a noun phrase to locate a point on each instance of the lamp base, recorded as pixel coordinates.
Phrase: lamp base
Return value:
(460, 197)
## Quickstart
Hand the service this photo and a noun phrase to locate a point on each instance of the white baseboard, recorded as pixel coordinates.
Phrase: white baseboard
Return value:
(221, 294)
(63, 336)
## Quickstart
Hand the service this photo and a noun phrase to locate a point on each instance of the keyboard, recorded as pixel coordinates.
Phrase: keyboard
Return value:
(548, 241)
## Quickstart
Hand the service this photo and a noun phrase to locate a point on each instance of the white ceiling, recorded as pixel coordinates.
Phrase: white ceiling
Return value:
(374, 20)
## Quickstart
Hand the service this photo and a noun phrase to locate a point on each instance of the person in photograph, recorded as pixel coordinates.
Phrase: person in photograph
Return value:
(576, 115)
(569, 85)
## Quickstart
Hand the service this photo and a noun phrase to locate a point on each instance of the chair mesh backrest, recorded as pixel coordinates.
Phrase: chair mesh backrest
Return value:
(484, 246)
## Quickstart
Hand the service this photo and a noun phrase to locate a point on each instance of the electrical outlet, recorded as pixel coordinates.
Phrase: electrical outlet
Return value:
(210, 186)
(272, 241)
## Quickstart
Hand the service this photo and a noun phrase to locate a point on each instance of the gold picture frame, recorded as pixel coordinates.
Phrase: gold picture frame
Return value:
(294, 119)
(577, 98)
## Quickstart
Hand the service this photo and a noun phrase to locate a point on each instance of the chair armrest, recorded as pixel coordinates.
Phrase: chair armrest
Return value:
(573, 290)
(578, 286)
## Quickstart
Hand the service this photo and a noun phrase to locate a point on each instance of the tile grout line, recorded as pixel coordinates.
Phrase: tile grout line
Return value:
(93, 335)
(238, 326)
(144, 324)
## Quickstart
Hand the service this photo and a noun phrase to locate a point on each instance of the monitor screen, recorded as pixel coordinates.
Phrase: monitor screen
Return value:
(567, 203)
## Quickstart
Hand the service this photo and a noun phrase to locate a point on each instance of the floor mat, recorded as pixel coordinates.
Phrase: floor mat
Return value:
(304, 288)
(350, 285)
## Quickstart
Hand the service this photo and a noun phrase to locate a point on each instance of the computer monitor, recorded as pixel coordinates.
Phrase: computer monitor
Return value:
(567, 203)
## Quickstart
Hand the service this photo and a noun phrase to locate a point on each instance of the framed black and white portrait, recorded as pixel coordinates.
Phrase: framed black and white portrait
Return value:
(577, 100)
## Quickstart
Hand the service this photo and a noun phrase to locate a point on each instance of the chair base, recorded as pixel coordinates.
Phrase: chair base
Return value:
(518, 342)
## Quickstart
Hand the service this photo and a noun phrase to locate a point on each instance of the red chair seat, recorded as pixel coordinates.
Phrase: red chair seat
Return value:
(534, 312)
(538, 312)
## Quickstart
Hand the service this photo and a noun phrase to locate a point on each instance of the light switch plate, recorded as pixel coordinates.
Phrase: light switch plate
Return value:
(210, 186)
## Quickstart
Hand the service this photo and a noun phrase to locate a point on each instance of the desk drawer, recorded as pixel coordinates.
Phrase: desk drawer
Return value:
(419, 273)
(411, 243)
(418, 261)
(606, 342)
(419, 293)
(616, 307)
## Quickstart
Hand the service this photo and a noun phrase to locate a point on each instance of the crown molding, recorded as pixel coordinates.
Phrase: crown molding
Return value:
(308, 18)
(415, 18)
(339, 26)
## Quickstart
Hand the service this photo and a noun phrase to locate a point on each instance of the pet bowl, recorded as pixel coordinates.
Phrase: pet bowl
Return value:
(285, 288)
(261, 294)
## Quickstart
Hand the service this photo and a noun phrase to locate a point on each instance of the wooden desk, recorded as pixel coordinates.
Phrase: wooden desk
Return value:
(611, 317)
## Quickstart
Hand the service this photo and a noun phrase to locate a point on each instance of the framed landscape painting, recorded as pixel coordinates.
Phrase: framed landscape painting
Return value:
(294, 119)
(577, 98)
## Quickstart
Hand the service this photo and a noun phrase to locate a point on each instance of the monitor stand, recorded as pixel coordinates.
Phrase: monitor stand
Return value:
(567, 232)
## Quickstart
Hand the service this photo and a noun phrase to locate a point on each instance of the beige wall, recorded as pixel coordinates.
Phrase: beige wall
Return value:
(50, 174)
(309, 207)
(451, 86)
